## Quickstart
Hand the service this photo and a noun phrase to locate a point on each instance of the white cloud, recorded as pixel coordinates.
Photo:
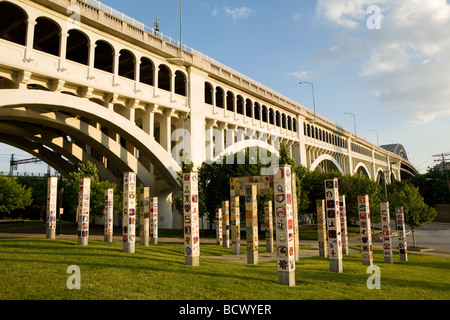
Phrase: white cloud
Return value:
(405, 64)
(239, 13)
(303, 74)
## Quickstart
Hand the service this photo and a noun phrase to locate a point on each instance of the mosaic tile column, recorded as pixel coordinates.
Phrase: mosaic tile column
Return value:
(52, 191)
(191, 223)
(129, 212)
(386, 229)
(144, 216)
(333, 225)
(251, 223)
(109, 215)
(401, 230)
(226, 223)
(285, 226)
(365, 230)
(235, 221)
(154, 220)
(83, 211)
(295, 213)
(268, 224)
(322, 228)
(219, 226)
(344, 235)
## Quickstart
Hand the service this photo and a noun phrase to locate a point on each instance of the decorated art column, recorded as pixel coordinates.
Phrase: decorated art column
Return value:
(322, 228)
(154, 220)
(235, 220)
(295, 214)
(400, 221)
(144, 216)
(52, 187)
(129, 212)
(386, 230)
(334, 225)
(365, 231)
(251, 223)
(191, 227)
(285, 225)
(219, 230)
(83, 211)
(109, 215)
(344, 235)
(226, 223)
(268, 223)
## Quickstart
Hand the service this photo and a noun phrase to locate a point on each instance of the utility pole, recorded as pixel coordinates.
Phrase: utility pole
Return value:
(442, 158)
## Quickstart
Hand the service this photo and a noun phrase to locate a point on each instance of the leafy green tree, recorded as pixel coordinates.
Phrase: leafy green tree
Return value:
(13, 196)
(38, 208)
(417, 212)
(97, 199)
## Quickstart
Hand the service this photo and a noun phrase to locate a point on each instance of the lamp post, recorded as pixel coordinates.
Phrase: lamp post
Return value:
(378, 143)
(354, 120)
(314, 98)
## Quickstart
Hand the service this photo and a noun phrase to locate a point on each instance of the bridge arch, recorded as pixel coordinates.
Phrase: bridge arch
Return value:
(13, 23)
(326, 158)
(361, 170)
(18, 105)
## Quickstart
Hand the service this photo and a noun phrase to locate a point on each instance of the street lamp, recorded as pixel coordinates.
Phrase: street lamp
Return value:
(354, 120)
(314, 98)
(378, 143)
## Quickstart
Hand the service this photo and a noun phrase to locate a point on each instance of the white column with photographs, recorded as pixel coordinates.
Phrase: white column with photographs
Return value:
(219, 226)
(400, 221)
(226, 223)
(251, 224)
(285, 226)
(191, 223)
(109, 215)
(386, 231)
(295, 214)
(235, 221)
(333, 225)
(365, 230)
(154, 220)
(322, 228)
(344, 234)
(268, 225)
(129, 212)
(52, 190)
(83, 211)
(144, 216)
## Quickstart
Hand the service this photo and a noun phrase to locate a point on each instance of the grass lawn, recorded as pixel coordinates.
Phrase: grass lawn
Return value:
(35, 269)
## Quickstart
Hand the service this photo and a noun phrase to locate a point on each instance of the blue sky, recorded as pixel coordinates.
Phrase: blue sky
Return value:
(394, 78)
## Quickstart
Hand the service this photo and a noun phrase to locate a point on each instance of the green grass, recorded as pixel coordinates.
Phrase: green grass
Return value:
(32, 269)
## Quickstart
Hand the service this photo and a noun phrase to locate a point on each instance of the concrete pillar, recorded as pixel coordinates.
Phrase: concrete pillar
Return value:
(344, 234)
(226, 223)
(386, 229)
(62, 50)
(282, 186)
(295, 216)
(154, 220)
(365, 230)
(29, 40)
(52, 194)
(129, 212)
(219, 226)
(144, 216)
(91, 61)
(191, 223)
(83, 211)
(235, 221)
(322, 228)
(268, 223)
(334, 225)
(109, 215)
(400, 222)
(251, 223)
(166, 132)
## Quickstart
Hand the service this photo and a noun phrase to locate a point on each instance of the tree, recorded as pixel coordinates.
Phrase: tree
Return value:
(416, 211)
(97, 199)
(13, 196)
